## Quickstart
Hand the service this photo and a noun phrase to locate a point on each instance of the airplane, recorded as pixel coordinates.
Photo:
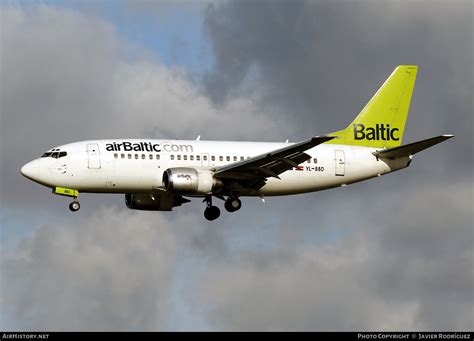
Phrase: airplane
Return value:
(158, 175)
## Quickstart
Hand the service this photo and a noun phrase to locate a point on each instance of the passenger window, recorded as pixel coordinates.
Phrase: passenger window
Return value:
(198, 158)
(191, 157)
(185, 157)
(115, 156)
(213, 158)
(143, 156)
(122, 156)
(242, 158)
(227, 158)
(178, 157)
(172, 157)
(129, 156)
(235, 158)
(221, 158)
(151, 156)
(136, 156)
(315, 160)
(157, 156)
(204, 158)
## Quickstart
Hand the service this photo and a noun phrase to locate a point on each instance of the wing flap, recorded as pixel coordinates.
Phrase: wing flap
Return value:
(411, 148)
(254, 171)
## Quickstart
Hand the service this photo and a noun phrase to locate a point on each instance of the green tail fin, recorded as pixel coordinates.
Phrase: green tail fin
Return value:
(382, 121)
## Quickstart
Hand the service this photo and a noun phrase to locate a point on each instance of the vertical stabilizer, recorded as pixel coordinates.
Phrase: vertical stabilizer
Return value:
(382, 121)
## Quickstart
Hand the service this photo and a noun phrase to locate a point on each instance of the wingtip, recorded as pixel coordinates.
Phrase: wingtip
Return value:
(448, 135)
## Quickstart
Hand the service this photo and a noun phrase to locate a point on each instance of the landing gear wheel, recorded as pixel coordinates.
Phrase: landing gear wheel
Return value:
(74, 206)
(212, 213)
(233, 204)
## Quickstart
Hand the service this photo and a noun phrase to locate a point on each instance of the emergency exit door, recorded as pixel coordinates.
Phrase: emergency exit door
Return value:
(93, 156)
(340, 162)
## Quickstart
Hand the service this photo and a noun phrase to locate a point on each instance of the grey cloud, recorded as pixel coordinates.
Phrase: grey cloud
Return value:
(108, 271)
(317, 289)
(427, 255)
(319, 62)
(160, 8)
(69, 77)
(406, 268)
(269, 266)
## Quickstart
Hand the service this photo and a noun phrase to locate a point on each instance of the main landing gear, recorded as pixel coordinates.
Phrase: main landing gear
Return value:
(232, 204)
(211, 212)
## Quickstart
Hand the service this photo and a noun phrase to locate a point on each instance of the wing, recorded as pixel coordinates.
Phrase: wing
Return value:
(253, 172)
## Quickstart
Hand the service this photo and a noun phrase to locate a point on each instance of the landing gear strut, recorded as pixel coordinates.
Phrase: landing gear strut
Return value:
(69, 192)
(211, 212)
(74, 206)
(233, 204)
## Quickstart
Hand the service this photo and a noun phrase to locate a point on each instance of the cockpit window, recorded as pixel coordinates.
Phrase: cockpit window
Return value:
(56, 154)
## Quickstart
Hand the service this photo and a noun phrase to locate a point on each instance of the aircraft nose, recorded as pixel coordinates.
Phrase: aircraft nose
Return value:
(31, 170)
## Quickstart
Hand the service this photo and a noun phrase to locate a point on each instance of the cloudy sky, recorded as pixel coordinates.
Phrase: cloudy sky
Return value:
(393, 253)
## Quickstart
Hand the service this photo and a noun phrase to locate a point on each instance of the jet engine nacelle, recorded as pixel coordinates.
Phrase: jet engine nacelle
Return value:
(190, 181)
(147, 202)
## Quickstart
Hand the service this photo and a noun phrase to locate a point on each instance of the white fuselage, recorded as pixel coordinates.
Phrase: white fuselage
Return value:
(100, 166)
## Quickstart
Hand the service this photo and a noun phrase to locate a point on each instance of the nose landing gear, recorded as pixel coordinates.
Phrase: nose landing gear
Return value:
(74, 206)
(69, 192)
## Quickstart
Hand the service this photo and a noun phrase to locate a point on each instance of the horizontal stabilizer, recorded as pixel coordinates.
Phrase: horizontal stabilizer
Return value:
(412, 148)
